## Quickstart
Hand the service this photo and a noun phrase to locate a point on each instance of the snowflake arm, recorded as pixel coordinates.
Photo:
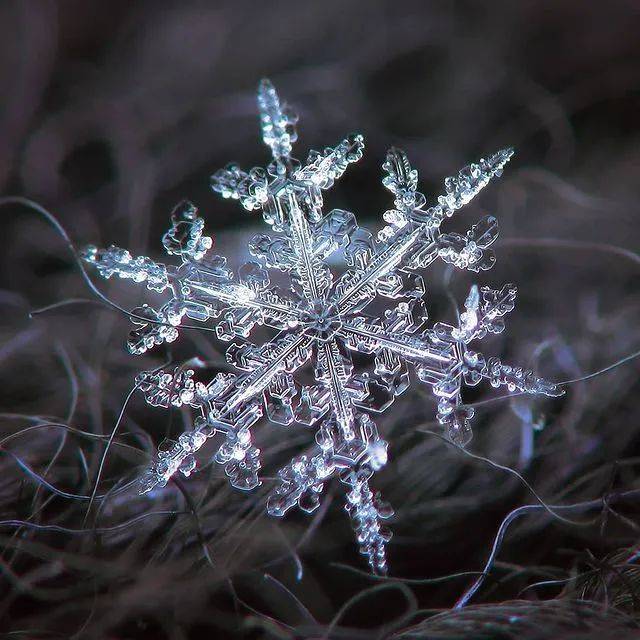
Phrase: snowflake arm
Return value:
(269, 189)
(368, 511)
(118, 262)
(354, 461)
(360, 284)
(361, 335)
(333, 369)
(313, 275)
(285, 353)
(402, 180)
(202, 287)
(226, 397)
(483, 314)
(461, 189)
(412, 239)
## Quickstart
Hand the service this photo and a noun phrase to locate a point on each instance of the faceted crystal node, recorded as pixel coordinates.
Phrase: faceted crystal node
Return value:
(320, 319)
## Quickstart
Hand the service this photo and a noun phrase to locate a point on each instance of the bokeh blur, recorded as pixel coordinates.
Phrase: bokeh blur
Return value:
(112, 112)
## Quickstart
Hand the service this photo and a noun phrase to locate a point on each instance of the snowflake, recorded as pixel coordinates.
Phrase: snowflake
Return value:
(320, 319)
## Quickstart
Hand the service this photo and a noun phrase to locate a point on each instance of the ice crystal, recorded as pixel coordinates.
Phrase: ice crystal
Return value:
(319, 320)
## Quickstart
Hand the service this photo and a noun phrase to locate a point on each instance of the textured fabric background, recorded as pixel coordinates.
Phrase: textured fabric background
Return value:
(111, 112)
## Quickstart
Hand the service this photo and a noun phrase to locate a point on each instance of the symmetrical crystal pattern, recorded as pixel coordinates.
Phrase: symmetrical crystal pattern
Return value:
(319, 320)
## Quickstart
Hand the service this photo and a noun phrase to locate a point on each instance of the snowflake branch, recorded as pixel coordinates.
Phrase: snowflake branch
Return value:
(277, 122)
(371, 337)
(290, 353)
(421, 236)
(354, 287)
(114, 261)
(312, 273)
(323, 169)
(332, 368)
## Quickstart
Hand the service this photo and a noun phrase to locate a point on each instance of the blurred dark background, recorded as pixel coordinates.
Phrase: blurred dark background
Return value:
(111, 112)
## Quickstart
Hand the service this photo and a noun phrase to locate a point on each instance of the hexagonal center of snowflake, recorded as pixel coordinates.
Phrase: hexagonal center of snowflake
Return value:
(321, 321)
